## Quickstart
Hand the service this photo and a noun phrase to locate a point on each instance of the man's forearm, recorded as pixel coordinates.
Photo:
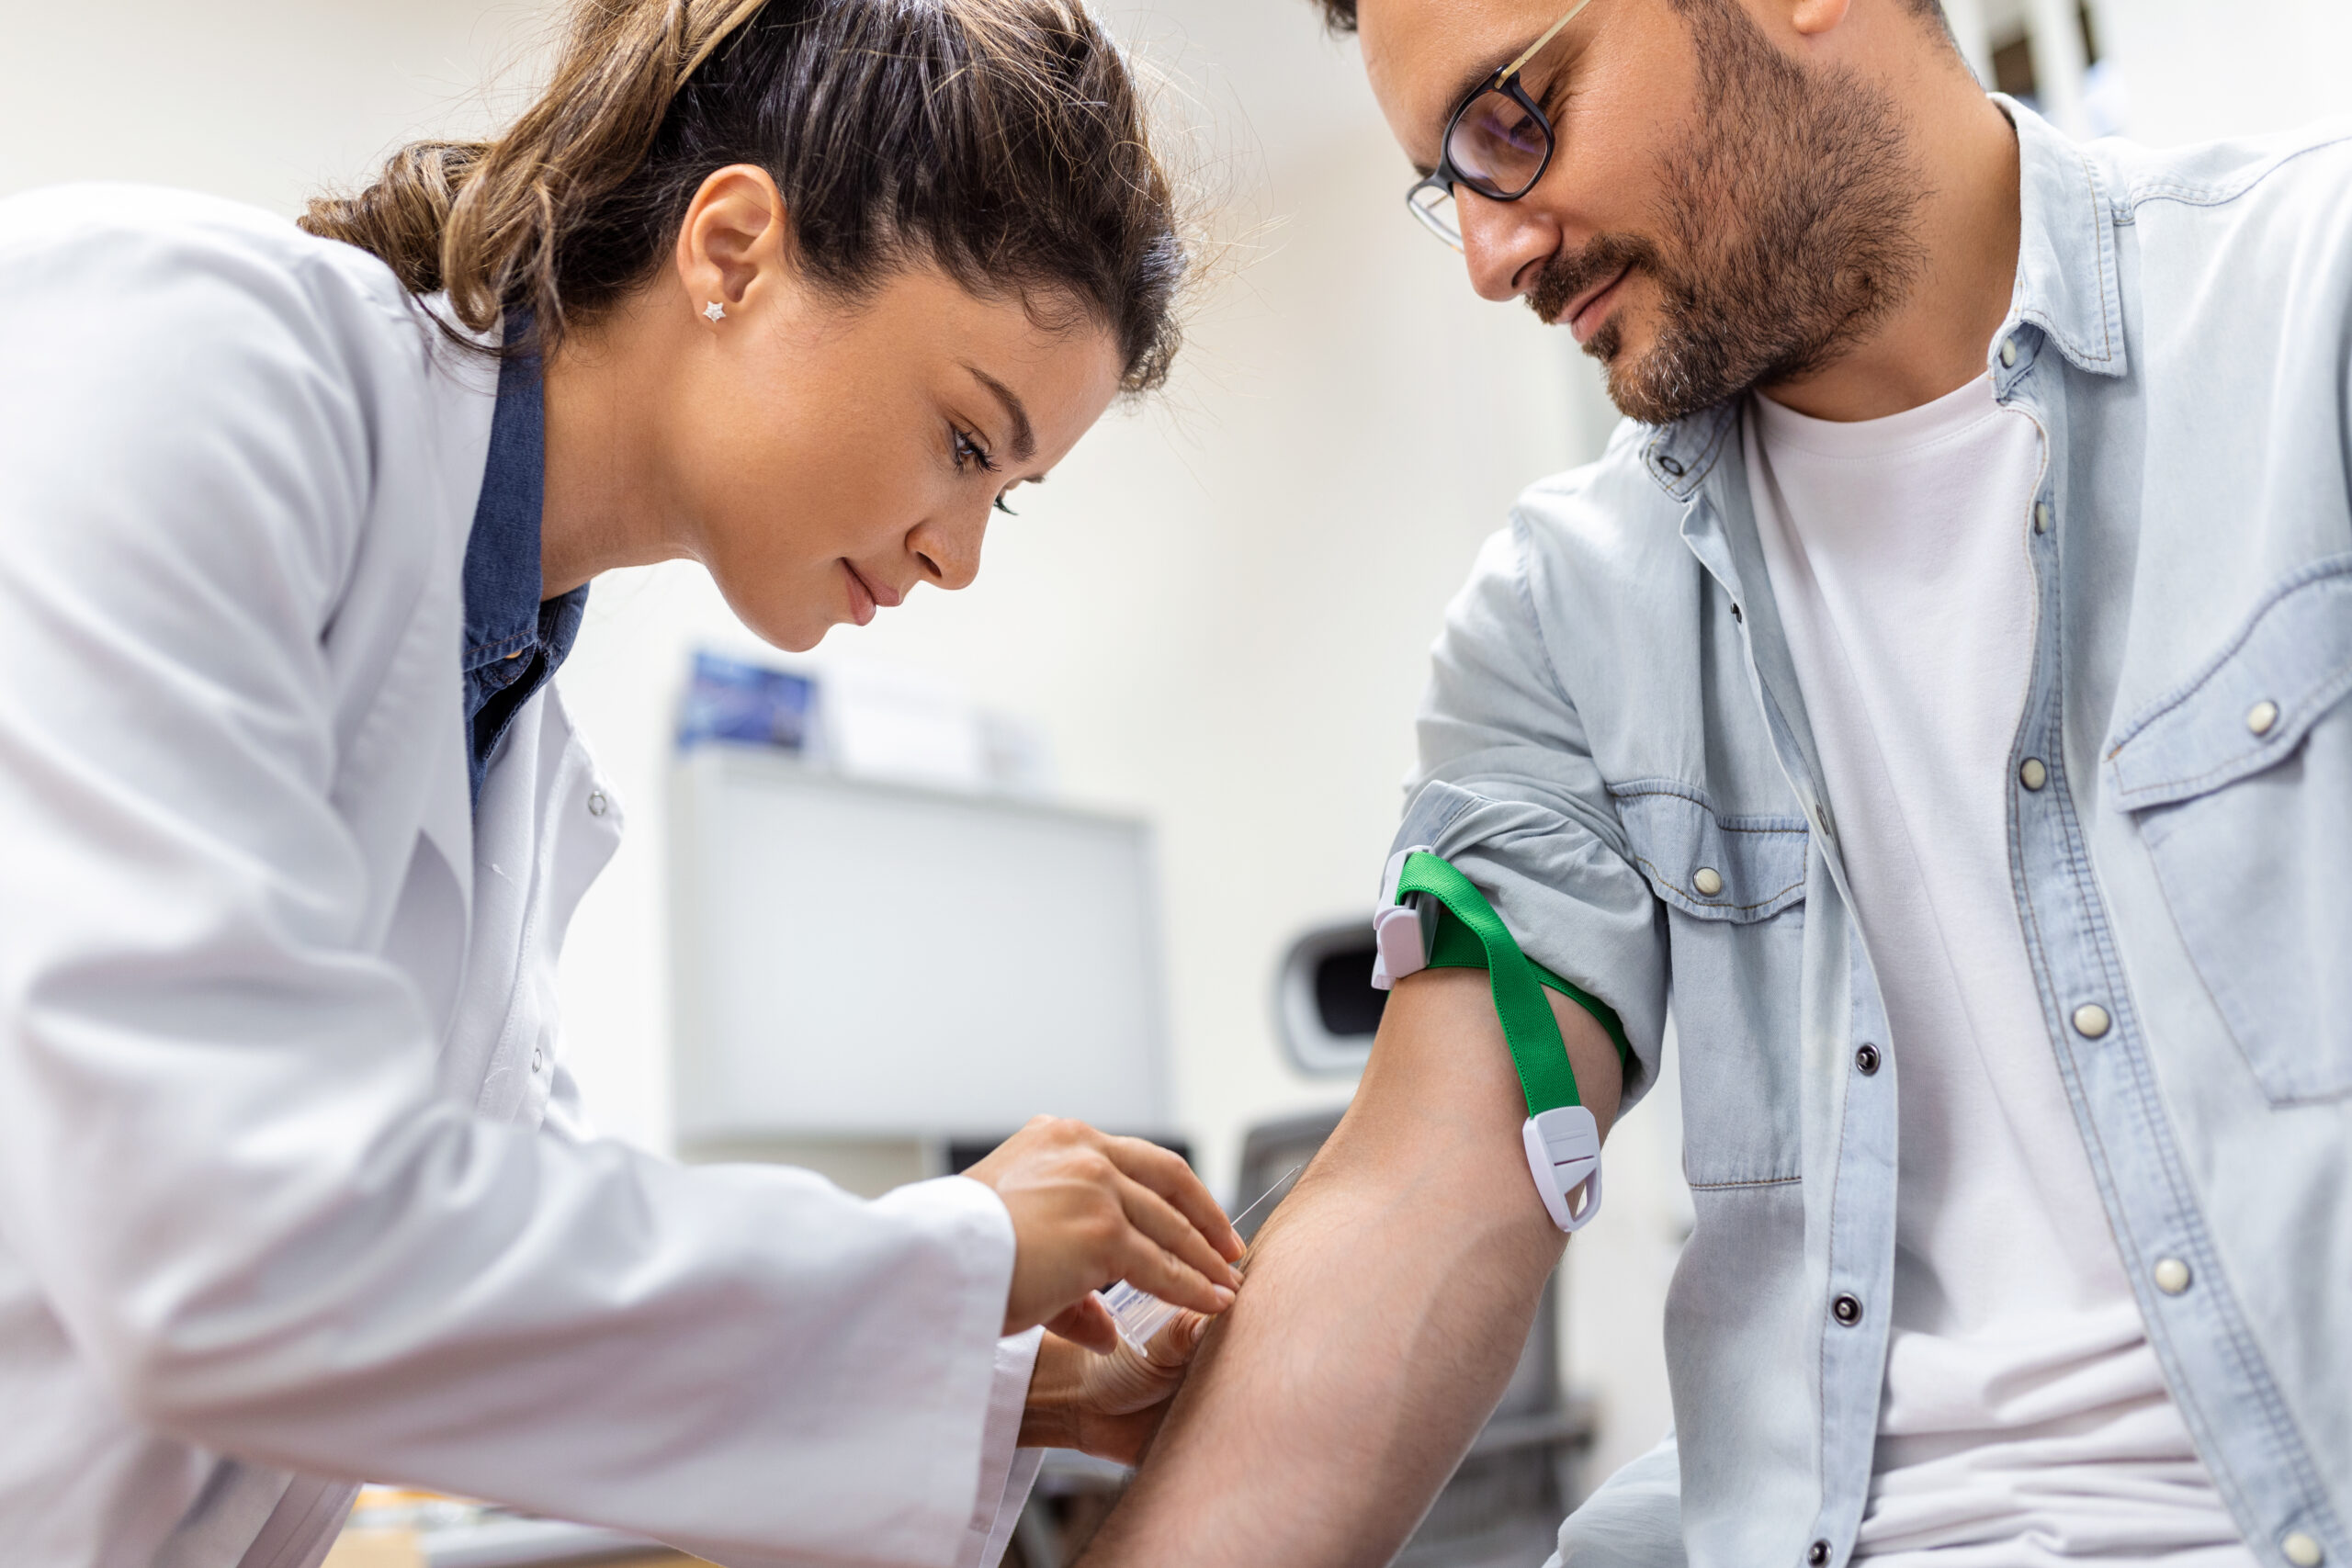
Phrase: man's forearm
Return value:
(1388, 1301)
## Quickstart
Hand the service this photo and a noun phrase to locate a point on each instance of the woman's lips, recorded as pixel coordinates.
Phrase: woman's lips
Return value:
(865, 595)
(1585, 318)
(862, 600)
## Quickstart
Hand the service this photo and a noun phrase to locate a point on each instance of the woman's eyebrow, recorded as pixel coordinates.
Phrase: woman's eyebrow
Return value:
(1024, 435)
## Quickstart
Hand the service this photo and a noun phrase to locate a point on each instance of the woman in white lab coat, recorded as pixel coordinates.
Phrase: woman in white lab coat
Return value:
(294, 526)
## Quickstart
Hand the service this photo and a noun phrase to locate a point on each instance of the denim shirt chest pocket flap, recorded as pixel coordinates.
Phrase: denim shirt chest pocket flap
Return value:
(1733, 892)
(1739, 869)
(2241, 783)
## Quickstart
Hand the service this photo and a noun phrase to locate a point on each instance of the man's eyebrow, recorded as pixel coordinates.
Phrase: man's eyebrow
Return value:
(1471, 81)
(1024, 435)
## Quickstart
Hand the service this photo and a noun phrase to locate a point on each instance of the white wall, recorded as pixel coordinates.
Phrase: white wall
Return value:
(2199, 69)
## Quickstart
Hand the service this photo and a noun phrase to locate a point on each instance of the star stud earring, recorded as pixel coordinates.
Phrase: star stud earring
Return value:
(715, 310)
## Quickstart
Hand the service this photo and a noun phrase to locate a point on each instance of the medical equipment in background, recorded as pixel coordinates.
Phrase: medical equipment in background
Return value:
(870, 972)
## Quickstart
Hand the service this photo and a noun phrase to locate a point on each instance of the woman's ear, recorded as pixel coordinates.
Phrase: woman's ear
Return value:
(735, 245)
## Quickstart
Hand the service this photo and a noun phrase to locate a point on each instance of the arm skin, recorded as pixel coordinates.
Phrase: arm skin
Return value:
(1388, 1299)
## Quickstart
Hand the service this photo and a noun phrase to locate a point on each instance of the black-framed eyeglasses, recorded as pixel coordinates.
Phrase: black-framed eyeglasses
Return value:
(1498, 143)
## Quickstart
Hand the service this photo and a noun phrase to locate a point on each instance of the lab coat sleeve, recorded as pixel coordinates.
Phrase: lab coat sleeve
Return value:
(1007, 1469)
(223, 1159)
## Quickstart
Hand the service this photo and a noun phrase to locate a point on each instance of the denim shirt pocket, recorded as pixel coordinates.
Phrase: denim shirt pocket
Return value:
(1734, 889)
(2241, 784)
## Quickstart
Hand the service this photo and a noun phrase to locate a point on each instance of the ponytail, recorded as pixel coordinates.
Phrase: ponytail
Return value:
(1001, 139)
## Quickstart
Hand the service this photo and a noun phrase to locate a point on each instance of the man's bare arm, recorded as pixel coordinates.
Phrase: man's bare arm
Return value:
(1387, 1301)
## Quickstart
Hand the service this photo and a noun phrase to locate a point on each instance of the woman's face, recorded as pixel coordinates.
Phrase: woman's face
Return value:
(838, 459)
(820, 459)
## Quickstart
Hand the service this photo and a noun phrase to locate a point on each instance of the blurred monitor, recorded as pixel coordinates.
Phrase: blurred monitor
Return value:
(860, 959)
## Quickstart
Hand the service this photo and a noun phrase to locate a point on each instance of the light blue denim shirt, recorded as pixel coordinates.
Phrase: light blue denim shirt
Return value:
(1614, 708)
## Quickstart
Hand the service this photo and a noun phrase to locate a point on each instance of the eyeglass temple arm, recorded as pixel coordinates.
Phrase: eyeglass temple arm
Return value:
(1507, 72)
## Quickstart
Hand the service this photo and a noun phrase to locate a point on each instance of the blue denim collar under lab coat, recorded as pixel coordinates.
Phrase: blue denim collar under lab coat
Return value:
(513, 639)
(1613, 704)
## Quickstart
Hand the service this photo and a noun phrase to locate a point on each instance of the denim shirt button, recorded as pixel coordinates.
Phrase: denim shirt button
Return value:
(1846, 1309)
(1708, 881)
(2262, 716)
(2031, 773)
(1817, 1553)
(2171, 1274)
(2008, 352)
(2041, 517)
(1866, 1060)
(2091, 1021)
(1670, 463)
(2302, 1550)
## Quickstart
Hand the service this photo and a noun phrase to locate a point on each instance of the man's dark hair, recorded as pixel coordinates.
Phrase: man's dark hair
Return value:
(1340, 16)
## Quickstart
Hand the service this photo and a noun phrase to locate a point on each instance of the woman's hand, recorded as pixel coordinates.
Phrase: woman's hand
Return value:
(1107, 1405)
(1088, 1208)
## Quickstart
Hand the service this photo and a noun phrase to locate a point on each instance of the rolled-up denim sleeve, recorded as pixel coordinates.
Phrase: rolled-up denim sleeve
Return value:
(1506, 789)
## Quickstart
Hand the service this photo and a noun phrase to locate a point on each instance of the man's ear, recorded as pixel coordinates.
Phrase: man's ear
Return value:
(1813, 17)
(734, 243)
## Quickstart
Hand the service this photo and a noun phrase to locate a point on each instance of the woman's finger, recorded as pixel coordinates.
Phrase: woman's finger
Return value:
(1151, 1268)
(1168, 1175)
(1171, 1349)
(1157, 1218)
(1088, 1321)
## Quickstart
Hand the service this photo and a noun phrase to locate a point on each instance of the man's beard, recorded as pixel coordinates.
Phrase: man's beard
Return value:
(1788, 226)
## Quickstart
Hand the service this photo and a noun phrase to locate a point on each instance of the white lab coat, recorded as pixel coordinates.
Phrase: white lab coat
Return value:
(292, 1188)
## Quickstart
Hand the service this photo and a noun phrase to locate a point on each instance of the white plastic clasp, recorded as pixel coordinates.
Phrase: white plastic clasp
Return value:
(1400, 932)
(1563, 1155)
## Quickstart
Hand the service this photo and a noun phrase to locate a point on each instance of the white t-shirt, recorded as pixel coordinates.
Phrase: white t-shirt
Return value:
(2024, 1421)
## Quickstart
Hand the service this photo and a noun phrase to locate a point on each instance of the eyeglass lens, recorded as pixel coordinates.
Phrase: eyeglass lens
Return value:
(1498, 146)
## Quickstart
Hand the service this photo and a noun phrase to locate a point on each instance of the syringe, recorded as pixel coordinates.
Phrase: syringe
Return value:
(1140, 1314)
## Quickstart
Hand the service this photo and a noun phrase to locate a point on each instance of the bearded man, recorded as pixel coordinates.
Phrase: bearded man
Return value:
(1940, 685)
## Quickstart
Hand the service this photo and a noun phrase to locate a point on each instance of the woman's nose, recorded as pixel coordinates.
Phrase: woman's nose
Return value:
(1499, 242)
(949, 551)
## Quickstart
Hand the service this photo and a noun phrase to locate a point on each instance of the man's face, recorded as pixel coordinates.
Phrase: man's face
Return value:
(1717, 215)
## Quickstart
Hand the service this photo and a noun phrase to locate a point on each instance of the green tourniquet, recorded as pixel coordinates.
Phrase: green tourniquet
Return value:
(1470, 935)
(1529, 1028)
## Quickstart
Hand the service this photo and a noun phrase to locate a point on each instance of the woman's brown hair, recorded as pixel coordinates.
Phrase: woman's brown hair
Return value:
(1002, 140)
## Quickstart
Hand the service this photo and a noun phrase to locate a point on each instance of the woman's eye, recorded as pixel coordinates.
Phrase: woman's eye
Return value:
(969, 451)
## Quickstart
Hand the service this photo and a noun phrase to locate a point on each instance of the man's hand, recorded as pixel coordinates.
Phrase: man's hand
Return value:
(1107, 1405)
(1088, 1208)
(1389, 1298)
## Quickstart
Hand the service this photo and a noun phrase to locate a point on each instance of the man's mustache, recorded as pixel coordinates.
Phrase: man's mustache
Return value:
(1566, 277)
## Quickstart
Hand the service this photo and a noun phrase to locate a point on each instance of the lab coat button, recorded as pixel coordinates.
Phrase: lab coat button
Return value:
(539, 1058)
(2171, 1274)
(597, 803)
(2091, 1021)
(2031, 773)
(2302, 1550)
(2262, 716)
(1866, 1060)
(1846, 1309)
(2008, 351)
(1708, 881)
(1817, 1553)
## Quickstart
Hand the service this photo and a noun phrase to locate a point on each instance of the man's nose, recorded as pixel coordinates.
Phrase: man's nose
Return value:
(1504, 243)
